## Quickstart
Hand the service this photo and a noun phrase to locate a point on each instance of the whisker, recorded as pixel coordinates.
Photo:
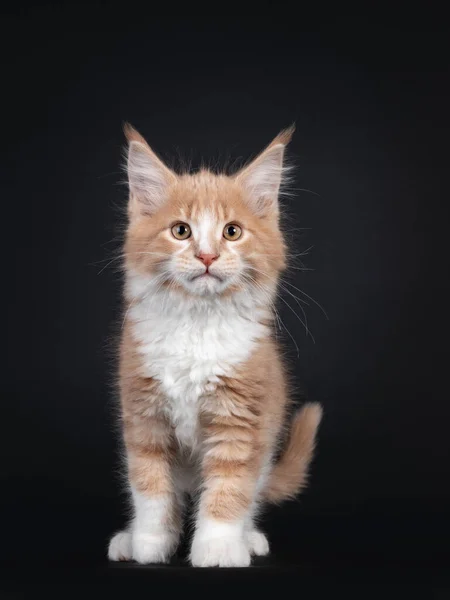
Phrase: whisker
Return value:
(264, 291)
(302, 309)
(305, 252)
(110, 261)
(296, 288)
(107, 264)
(306, 190)
(305, 324)
(278, 283)
(277, 315)
(298, 300)
(312, 299)
(301, 321)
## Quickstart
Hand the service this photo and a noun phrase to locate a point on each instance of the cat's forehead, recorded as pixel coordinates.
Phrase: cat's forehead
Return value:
(207, 194)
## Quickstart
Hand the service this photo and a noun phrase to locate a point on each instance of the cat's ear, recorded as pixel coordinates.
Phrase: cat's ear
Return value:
(148, 177)
(263, 177)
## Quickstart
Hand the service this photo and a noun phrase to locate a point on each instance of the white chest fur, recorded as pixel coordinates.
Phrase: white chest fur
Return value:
(188, 345)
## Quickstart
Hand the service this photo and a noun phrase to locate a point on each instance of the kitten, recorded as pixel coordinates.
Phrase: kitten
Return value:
(202, 383)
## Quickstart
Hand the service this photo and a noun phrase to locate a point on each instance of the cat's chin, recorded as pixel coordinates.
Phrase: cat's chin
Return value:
(206, 285)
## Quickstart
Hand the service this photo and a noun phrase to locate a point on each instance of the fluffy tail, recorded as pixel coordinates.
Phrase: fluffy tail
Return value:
(290, 474)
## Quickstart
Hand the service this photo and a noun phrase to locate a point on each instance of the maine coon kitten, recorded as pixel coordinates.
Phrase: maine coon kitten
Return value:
(202, 384)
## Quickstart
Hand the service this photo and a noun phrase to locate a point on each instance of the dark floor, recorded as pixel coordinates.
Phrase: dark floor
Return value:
(308, 579)
(358, 555)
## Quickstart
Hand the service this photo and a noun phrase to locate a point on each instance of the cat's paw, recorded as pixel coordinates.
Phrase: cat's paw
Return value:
(257, 543)
(120, 546)
(150, 549)
(220, 552)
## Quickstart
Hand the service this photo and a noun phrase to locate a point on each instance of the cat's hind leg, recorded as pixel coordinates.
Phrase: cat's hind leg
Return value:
(256, 541)
(120, 548)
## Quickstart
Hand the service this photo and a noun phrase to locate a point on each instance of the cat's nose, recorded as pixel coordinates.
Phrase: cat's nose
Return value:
(207, 259)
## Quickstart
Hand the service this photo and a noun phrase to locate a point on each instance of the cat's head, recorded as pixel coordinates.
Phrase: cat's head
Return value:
(205, 234)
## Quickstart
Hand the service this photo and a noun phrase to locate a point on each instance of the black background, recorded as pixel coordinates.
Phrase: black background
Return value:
(371, 107)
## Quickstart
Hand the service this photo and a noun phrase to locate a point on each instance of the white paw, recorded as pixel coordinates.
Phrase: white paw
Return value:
(257, 543)
(220, 552)
(150, 548)
(120, 546)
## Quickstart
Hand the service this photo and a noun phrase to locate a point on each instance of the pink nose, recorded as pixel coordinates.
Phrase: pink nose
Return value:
(207, 259)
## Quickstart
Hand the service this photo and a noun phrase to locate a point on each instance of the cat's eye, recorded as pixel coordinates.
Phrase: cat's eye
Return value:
(232, 232)
(181, 231)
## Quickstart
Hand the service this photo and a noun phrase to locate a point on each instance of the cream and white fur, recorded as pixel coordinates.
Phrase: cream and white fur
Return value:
(187, 347)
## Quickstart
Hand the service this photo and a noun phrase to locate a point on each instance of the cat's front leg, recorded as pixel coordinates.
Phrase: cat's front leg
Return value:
(230, 467)
(155, 528)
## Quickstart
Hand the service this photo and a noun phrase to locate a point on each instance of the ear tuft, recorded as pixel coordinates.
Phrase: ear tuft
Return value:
(284, 137)
(132, 134)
